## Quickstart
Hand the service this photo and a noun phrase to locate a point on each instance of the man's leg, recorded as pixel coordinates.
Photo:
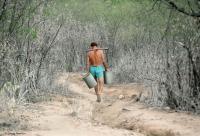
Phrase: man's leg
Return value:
(101, 83)
(96, 87)
(100, 88)
(97, 90)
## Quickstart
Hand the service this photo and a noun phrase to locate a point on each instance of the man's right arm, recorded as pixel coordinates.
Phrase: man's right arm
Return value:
(87, 62)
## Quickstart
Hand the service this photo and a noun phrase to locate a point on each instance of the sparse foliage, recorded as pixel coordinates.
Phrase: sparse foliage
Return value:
(155, 42)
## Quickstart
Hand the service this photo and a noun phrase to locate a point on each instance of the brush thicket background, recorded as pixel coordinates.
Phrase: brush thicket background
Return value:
(155, 42)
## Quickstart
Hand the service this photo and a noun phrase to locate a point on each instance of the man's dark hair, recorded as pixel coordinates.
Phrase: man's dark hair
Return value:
(93, 44)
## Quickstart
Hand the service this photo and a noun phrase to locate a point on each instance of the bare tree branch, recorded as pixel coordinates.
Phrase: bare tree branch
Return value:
(197, 2)
(190, 6)
(182, 10)
(154, 4)
(3, 9)
(44, 54)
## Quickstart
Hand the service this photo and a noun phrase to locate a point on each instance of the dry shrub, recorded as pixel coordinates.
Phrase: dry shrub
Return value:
(11, 108)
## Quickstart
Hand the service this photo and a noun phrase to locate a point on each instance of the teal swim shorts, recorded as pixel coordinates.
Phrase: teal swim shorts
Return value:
(97, 71)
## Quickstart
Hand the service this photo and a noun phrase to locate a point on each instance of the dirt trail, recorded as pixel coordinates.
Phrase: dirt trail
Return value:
(78, 114)
(55, 120)
(69, 115)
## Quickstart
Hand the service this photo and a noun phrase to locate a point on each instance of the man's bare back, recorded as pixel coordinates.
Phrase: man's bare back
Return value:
(96, 57)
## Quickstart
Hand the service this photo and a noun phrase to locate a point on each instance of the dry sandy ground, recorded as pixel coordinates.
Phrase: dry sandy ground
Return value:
(78, 114)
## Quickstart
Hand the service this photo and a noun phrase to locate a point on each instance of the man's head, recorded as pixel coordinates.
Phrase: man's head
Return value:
(93, 44)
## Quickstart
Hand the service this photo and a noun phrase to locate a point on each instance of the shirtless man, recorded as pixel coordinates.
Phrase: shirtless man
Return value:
(96, 64)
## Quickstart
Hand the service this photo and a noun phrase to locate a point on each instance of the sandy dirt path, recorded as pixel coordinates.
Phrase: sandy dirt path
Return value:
(78, 113)
(120, 109)
(54, 120)
(71, 115)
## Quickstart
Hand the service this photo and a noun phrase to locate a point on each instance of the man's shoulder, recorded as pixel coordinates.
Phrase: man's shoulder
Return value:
(92, 52)
(100, 51)
(89, 52)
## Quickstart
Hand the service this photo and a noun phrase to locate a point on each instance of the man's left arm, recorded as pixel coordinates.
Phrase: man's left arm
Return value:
(104, 61)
